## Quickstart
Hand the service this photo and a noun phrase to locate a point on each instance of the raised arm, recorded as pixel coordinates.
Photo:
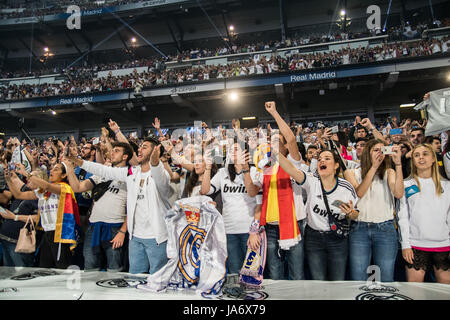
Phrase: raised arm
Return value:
(186, 164)
(159, 174)
(110, 173)
(252, 189)
(395, 178)
(157, 126)
(290, 169)
(77, 185)
(285, 131)
(15, 184)
(362, 188)
(41, 183)
(206, 180)
(366, 123)
(121, 138)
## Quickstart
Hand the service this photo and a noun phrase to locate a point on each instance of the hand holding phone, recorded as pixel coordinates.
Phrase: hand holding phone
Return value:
(337, 203)
(334, 129)
(387, 150)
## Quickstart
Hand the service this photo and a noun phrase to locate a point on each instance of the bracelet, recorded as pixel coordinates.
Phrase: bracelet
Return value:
(254, 227)
(124, 232)
(16, 217)
(245, 171)
(116, 132)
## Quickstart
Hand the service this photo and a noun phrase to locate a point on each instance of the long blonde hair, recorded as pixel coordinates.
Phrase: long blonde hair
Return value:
(434, 169)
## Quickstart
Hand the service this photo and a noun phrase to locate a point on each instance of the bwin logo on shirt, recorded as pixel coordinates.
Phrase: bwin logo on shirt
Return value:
(323, 213)
(234, 189)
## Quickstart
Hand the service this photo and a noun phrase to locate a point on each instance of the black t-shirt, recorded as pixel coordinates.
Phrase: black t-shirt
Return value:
(10, 228)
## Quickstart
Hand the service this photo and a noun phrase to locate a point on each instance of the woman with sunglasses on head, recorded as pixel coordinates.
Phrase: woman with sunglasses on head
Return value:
(373, 236)
(424, 218)
(326, 253)
(57, 215)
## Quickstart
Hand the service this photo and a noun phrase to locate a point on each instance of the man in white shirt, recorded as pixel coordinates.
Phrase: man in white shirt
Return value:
(107, 228)
(148, 188)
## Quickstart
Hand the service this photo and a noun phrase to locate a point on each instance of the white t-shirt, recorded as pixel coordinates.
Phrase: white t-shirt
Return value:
(142, 225)
(112, 206)
(316, 210)
(424, 217)
(238, 207)
(298, 192)
(48, 210)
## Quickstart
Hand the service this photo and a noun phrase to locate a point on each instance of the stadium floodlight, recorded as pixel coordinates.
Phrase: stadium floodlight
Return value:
(133, 40)
(233, 96)
(231, 28)
(53, 112)
(46, 49)
(342, 12)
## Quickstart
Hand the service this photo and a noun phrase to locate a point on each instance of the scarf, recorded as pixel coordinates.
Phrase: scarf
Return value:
(278, 198)
(67, 219)
(251, 274)
(278, 206)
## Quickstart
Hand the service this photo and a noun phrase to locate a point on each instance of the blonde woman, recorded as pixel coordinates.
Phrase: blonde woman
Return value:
(424, 218)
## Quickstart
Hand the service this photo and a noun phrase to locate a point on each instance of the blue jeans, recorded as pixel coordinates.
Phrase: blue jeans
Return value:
(326, 255)
(15, 259)
(237, 248)
(93, 261)
(276, 257)
(146, 256)
(377, 241)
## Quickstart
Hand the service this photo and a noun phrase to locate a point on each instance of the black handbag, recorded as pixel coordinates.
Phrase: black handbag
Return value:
(339, 228)
(99, 190)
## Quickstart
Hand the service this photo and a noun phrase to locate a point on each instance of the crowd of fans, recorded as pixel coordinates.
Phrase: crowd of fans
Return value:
(397, 200)
(58, 6)
(239, 46)
(83, 79)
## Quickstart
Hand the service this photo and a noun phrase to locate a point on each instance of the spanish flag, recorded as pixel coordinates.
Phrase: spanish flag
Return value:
(278, 204)
(68, 218)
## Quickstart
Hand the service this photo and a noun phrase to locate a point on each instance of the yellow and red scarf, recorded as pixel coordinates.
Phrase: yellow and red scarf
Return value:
(278, 205)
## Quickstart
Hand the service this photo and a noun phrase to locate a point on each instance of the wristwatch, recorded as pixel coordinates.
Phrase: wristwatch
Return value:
(245, 171)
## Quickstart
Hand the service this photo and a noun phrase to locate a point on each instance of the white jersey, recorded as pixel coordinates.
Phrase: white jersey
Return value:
(238, 207)
(142, 222)
(48, 210)
(424, 217)
(316, 210)
(112, 206)
(196, 249)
